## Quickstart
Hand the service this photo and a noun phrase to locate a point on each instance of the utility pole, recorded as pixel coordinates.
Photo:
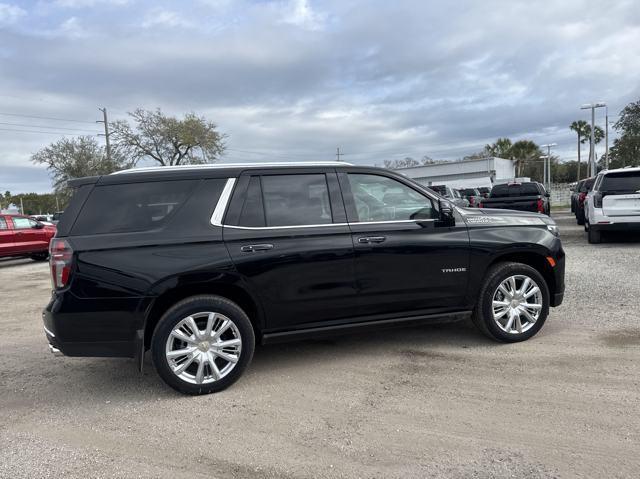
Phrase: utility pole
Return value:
(606, 138)
(106, 131)
(338, 154)
(21, 206)
(547, 168)
(592, 144)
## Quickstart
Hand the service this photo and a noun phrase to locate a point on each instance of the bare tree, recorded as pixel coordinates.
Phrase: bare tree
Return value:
(168, 140)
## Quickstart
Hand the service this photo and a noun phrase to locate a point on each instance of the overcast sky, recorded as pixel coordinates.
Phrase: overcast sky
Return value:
(295, 79)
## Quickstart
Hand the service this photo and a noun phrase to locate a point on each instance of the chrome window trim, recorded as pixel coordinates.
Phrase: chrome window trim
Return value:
(223, 201)
(325, 224)
(225, 197)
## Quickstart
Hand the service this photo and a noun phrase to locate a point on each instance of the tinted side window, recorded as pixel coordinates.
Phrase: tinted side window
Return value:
(132, 206)
(252, 213)
(3, 224)
(291, 200)
(379, 198)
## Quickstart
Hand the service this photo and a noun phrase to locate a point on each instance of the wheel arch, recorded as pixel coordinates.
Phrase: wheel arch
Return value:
(534, 259)
(172, 295)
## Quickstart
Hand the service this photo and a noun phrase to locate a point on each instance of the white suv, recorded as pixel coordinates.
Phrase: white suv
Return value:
(614, 203)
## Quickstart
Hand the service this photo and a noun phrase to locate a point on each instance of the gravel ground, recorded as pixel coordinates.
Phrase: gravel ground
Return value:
(436, 401)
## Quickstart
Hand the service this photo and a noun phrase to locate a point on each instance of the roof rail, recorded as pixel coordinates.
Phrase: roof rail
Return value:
(213, 166)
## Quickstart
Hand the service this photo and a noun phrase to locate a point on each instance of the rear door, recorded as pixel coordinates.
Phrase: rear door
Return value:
(27, 236)
(7, 245)
(405, 261)
(288, 237)
(621, 193)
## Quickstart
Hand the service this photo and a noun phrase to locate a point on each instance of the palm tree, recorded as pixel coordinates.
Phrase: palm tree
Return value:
(583, 130)
(501, 148)
(522, 151)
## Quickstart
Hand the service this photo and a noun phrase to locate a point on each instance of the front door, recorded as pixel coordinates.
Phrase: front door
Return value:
(288, 237)
(405, 260)
(7, 245)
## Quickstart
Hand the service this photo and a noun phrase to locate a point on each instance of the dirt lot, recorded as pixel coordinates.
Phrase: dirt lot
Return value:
(437, 401)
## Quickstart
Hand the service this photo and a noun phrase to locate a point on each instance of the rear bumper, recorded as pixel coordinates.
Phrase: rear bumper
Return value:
(73, 331)
(616, 226)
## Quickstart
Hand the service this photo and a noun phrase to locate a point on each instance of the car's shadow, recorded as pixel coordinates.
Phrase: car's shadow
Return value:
(15, 261)
(620, 237)
(96, 380)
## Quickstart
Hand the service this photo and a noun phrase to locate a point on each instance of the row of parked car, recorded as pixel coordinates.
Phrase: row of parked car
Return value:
(521, 196)
(609, 201)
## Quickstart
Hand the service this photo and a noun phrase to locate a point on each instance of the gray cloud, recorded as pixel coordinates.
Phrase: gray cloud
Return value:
(295, 79)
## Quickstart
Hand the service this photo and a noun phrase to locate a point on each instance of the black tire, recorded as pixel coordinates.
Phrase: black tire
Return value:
(594, 236)
(483, 313)
(40, 256)
(580, 216)
(185, 308)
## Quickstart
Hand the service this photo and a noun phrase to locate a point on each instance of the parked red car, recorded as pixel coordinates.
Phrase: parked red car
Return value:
(23, 236)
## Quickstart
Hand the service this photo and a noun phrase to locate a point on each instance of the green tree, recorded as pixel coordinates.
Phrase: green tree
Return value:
(523, 152)
(626, 148)
(501, 148)
(71, 158)
(168, 140)
(36, 203)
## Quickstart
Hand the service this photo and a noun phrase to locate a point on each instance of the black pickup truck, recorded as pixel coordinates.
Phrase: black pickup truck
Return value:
(527, 196)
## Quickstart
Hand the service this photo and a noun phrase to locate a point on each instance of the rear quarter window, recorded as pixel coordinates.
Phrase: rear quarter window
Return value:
(132, 207)
(622, 182)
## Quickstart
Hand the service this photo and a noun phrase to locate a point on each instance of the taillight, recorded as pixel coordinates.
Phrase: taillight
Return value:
(597, 200)
(540, 205)
(581, 197)
(60, 258)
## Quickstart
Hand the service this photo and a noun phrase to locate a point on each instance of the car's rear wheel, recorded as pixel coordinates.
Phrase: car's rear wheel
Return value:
(513, 304)
(203, 344)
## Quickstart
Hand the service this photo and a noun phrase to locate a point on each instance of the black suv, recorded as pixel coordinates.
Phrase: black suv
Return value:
(199, 263)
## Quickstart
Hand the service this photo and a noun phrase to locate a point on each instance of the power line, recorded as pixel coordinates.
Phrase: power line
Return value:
(35, 131)
(48, 127)
(45, 118)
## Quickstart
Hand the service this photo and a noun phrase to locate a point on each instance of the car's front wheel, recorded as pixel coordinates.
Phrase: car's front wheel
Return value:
(203, 344)
(513, 304)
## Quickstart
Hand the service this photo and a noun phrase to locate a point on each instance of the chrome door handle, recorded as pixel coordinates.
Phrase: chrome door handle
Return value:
(255, 247)
(372, 239)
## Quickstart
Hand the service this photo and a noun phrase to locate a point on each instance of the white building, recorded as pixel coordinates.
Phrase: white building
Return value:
(463, 174)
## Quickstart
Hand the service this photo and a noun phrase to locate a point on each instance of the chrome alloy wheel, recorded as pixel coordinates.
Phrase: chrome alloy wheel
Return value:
(203, 347)
(517, 304)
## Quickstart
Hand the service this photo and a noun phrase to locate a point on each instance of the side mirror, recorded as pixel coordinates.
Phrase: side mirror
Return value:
(38, 226)
(548, 195)
(447, 217)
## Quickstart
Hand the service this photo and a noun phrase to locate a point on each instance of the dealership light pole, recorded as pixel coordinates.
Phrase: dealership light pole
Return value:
(547, 169)
(592, 144)
(606, 138)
